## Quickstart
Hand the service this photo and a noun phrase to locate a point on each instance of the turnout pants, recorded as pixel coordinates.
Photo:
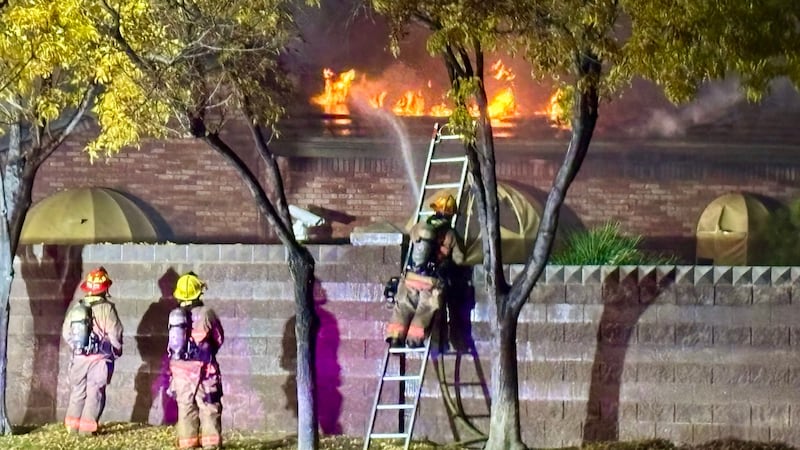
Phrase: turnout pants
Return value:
(417, 302)
(88, 377)
(198, 393)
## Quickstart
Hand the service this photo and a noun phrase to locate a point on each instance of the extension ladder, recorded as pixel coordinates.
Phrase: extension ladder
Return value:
(407, 411)
(435, 159)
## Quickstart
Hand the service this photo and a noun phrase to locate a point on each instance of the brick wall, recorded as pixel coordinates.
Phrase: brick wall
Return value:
(656, 188)
(190, 192)
(681, 352)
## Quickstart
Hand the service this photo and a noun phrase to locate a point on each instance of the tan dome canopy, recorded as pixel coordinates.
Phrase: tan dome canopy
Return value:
(86, 216)
(519, 221)
(730, 230)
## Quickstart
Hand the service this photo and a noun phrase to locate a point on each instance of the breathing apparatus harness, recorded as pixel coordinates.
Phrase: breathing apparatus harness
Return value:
(180, 344)
(424, 258)
(82, 338)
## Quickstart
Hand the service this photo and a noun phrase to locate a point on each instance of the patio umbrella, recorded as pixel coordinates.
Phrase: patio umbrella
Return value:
(86, 216)
(730, 230)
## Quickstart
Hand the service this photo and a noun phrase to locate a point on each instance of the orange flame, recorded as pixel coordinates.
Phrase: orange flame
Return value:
(410, 104)
(441, 110)
(555, 112)
(503, 105)
(376, 101)
(337, 89)
(501, 72)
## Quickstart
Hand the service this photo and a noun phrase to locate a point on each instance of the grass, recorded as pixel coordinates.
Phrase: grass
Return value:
(134, 436)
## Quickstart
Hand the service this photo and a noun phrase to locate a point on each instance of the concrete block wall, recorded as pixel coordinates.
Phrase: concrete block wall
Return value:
(678, 352)
(681, 352)
(249, 287)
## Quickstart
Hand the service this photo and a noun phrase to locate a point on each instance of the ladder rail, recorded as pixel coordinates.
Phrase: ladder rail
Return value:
(374, 413)
(423, 368)
(421, 196)
(435, 140)
(427, 171)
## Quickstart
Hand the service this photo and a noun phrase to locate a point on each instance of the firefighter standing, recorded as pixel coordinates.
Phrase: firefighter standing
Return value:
(435, 247)
(94, 332)
(195, 336)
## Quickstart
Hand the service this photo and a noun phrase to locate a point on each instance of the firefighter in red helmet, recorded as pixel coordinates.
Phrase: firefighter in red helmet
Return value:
(94, 333)
(195, 336)
(434, 248)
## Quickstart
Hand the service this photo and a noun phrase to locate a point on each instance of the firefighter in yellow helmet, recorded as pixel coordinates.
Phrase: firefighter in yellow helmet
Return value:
(94, 333)
(195, 337)
(434, 248)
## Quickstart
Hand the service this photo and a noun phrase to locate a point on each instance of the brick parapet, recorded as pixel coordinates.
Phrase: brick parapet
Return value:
(682, 352)
(654, 188)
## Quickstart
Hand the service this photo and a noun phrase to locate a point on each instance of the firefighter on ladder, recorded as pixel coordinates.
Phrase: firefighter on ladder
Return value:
(434, 248)
(195, 336)
(94, 333)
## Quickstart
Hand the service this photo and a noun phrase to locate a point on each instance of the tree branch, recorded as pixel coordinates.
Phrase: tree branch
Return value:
(116, 32)
(464, 54)
(263, 202)
(13, 78)
(189, 8)
(476, 44)
(491, 241)
(582, 129)
(426, 20)
(269, 158)
(40, 154)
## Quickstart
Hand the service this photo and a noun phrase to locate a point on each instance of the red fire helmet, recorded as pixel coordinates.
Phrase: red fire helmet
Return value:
(97, 282)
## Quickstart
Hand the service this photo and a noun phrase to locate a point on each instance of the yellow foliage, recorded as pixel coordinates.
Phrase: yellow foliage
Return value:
(51, 52)
(153, 61)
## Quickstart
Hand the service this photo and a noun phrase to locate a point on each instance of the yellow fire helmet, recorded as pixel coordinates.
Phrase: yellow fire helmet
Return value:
(189, 287)
(445, 204)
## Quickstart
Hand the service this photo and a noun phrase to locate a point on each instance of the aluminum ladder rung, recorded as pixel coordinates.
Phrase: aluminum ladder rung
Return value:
(401, 378)
(388, 435)
(407, 350)
(395, 406)
(452, 159)
(442, 186)
(448, 137)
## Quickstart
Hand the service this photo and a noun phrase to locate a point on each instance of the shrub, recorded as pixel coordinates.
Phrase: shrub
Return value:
(605, 245)
(782, 238)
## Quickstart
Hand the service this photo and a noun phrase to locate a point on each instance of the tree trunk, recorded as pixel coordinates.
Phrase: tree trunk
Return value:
(504, 429)
(6, 278)
(17, 183)
(504, 426)
(301, 267)
(15, 191)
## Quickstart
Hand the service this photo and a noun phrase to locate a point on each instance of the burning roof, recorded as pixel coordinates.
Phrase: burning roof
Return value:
(344, 89)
